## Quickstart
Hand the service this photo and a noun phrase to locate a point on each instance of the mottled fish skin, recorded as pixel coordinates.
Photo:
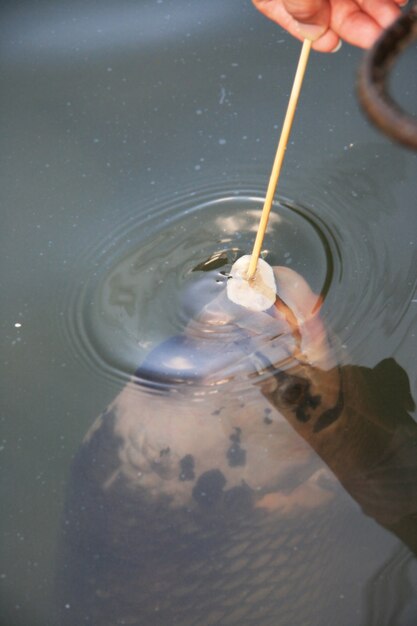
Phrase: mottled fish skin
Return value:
(366, 437)
(133, 557)
(198, 506)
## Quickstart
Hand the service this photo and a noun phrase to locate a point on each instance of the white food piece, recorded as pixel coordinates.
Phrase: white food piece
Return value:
(259, 294)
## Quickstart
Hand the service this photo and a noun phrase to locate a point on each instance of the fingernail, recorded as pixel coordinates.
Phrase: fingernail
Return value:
(403, 4)
(311, 31)
(337, 48)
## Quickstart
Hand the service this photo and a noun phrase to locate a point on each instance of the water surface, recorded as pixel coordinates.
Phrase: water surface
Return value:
(138, 138)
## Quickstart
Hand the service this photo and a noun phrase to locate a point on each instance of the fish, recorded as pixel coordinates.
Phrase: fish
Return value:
(367, 439)
(208, 489)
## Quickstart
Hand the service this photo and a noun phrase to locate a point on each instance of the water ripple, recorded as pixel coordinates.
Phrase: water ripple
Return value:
(149, 277)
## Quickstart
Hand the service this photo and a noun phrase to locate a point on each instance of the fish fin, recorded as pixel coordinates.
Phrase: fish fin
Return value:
(386, 488)
(311, 494)
(393, 385)
(385, 396)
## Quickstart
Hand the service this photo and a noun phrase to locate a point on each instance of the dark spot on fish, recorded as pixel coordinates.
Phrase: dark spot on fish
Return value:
(296, 389)
(187, 468)
(296, 392)
(235, 437)
(164, 451)
(235, 454)
(218, 411)
(208, 489)
(267, 420)
(314, 401)
(238, 499)
(301, 414)
(330, 415)
(308, 402)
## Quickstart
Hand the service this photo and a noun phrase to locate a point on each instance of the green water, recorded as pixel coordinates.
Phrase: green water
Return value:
(113, 111)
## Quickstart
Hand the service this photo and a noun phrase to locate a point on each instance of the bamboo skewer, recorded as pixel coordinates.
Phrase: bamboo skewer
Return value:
(279, 157)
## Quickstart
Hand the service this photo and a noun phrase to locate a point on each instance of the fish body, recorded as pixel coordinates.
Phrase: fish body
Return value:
(205, 494)
(167, 527)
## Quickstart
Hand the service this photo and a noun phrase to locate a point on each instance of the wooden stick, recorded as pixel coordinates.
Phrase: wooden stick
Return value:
(279, 157)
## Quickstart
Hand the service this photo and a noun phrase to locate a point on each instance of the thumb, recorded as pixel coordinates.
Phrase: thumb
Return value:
(312, 16)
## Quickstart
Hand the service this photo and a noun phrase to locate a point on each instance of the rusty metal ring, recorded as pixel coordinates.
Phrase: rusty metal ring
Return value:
(373, 78)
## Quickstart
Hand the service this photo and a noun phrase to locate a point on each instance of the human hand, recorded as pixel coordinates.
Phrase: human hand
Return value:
(327, 22)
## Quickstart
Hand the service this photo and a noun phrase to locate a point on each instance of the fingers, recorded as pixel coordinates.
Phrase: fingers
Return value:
(384, 12)
(362, 25)
(294, 14)
(358, 22)
(312, 16)
(325, 40)
(329, 42)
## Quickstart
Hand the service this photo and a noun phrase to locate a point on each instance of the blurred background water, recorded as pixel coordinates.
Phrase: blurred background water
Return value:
(123, 122)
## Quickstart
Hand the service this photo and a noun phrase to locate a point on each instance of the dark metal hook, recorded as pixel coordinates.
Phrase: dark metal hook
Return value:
(373, 80)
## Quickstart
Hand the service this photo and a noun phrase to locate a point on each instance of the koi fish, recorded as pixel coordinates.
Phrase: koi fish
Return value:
(208, 489)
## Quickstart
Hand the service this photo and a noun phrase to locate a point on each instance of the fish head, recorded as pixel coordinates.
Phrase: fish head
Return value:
(209, 395)
(288, 334)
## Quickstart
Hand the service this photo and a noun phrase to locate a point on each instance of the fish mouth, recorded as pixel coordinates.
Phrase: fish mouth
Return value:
(226, 343)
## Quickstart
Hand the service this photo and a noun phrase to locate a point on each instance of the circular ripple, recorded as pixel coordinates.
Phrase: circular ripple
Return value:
(157, 271)
(367, 302)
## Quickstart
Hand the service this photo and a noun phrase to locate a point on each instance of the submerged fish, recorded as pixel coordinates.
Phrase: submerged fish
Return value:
(201, 497)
